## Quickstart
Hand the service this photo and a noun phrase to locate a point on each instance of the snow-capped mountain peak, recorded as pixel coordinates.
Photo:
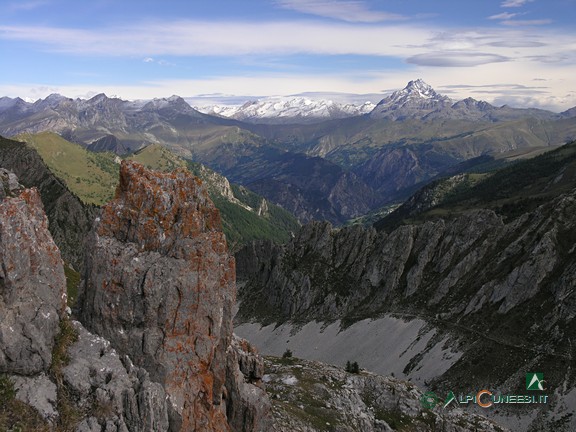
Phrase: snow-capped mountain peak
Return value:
(420, 88)
(414, 100)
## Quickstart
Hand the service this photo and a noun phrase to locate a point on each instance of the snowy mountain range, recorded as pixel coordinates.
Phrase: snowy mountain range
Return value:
(288, 109)
(417, 100)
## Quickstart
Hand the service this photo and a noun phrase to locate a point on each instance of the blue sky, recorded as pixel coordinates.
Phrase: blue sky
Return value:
(520, 52)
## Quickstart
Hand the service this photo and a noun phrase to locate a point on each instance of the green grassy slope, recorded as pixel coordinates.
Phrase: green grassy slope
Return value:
(157, 158)
(90, 176)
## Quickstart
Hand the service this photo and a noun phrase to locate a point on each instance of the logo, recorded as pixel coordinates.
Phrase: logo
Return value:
(450, 398)
(486, 398)
(484, 404)
(429, 400)
(534, 381)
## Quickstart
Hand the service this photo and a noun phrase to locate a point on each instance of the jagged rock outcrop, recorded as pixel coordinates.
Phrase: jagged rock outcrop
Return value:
(160, 285)
(70, 220)
(77, 379)
(32, 282)
(248, 406)
(456, 266)
(113, 392)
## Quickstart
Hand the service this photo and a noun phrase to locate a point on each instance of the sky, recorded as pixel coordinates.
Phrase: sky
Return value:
(516, 52)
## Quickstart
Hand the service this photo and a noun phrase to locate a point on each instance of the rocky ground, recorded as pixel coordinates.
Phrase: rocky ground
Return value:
(310, 396)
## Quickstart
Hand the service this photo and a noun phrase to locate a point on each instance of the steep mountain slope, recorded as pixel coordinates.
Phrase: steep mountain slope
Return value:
(488, 278)
(509, 191)
(69, 219)
(312, 188)
(246, 216)
(90, 176)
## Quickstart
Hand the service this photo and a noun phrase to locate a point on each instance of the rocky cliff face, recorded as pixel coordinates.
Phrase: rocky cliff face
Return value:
(95, 388)
(160, 286)
(32, 283)
(454, 267)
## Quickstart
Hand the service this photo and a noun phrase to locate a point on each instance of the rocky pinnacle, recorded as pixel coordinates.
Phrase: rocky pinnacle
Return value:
(160, 285)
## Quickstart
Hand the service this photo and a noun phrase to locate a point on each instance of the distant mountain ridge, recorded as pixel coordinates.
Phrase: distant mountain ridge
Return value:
(419, 100)
(90, 121)
(279, 110)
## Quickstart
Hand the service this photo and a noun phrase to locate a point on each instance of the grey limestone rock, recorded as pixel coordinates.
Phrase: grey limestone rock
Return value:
(10, 186)
(310, 396)
(247, 405)
(32, 282)
(39, 392)
(117, 395)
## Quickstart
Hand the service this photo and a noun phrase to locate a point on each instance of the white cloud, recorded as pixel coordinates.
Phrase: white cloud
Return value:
(352, 11)
(503, 16)
(514, 3)
(455, 59)
(185, 38)
(148, 60)
(275, 39)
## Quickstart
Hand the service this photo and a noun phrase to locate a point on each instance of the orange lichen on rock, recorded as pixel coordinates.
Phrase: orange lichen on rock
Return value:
(160, 285)
(155, 210)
